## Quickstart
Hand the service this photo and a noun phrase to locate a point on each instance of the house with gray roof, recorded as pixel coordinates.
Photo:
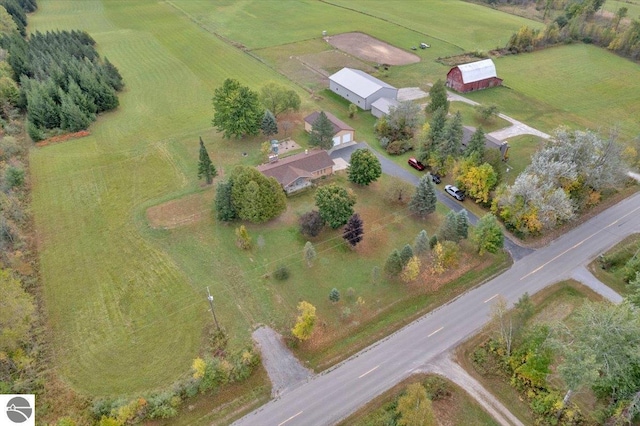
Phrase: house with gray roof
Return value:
(360, 88)
(298, 171)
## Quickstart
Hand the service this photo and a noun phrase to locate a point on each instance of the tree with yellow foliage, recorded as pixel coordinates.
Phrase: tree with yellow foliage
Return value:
(305, 322)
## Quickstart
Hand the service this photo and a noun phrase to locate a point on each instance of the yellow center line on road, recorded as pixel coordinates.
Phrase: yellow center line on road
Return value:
(364, 374)
(580, 243)
(295, 415)
(491, 298)
(435, 332)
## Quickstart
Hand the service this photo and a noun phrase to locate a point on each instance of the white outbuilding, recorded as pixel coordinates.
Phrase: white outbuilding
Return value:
(360, 88)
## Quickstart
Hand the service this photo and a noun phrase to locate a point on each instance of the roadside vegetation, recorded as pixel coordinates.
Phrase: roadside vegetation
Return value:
(428, 396)
(619, 266)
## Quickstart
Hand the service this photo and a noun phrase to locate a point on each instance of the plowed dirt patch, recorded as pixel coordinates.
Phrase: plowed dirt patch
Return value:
(371, 49)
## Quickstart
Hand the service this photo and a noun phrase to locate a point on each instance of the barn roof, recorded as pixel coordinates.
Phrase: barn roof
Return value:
(287, 170)
(476, 71)
(383, 104)
(359, 82)
(338, 125)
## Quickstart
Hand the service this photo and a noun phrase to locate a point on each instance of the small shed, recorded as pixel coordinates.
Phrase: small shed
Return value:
(360, 88)
(298, 171)
(382, 105)
(489, 141)
(342, 132)
(473, 76)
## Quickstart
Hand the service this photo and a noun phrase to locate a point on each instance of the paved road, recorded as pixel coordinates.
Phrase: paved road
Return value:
(389, 167)
(336, 393)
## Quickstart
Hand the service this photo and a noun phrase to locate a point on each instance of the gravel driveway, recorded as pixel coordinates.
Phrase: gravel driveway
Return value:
(284, 369)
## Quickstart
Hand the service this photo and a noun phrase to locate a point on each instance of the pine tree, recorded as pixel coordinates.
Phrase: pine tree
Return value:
(225, 211)
(475, 146)
(321, 132)
(452, 137)
(353, 230)
(438, 98)
(393, 265)
(309, 253)
(462, 228)
(421, 243)
(334, 295)
(449, 229)
(206, 169)
(424, 200)
(72, 118)
(406, 254)
(269, 125)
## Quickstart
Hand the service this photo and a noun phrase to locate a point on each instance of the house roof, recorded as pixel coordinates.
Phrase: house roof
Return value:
(359, 82)
(383, 104)
(489, 141)
(338, 125)
(476, 71)
(286, 170)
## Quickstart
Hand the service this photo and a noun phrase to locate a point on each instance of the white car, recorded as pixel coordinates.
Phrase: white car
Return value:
(454, 192)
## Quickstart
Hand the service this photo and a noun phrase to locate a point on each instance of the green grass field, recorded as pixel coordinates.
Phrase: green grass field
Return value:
(125, 302)
(633, 7)
(572, 85)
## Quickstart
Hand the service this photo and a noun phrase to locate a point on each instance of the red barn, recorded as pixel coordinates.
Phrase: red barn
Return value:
(474, 76)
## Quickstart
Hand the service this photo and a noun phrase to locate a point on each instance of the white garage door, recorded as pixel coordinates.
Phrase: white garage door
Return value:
(336, 141)
(346, 138)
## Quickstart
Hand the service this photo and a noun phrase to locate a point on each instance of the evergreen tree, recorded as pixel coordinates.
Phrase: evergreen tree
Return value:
(449, 229)
(256, 197)
(406, 254)
(462, 229)
(393, 265)
(421, 243)
(72, 117)
(81, 99)
(438, 98)
(452, 137)
(309, 253)
(476, 146)
(225, 211)
(112, 75)
(334, 295)
(206, 169)
(424, 200)
(269, 125)
(353, 230)
(321, 132)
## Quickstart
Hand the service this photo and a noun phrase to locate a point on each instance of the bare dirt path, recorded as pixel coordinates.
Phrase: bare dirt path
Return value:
(284, 369)
(371, 49)
(446, 367)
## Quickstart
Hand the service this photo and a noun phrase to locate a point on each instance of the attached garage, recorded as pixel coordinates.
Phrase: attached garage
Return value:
(343, 133)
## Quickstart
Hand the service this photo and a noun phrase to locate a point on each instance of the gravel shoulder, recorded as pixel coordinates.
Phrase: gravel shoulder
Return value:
(284, 369)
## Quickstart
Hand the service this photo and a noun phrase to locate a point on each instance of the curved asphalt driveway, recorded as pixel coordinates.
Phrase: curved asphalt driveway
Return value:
(390, 168)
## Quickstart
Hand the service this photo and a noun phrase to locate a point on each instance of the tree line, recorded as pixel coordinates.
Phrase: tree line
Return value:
(64, 82)
(576, 22)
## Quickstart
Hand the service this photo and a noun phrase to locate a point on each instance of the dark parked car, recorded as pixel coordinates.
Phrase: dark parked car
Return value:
(436, 178)
(454, 192)
(416, 164)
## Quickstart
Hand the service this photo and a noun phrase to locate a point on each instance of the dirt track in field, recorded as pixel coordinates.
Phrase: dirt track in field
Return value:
(371, 49)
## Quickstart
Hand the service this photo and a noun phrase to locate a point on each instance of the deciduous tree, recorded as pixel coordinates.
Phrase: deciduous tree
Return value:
(243, 239)
(335, 204)
(303, 328)
(364, 167)
(476, 181)
(424, 200)
(438, 98)
(311, 223)
(411, 270)
(353, 230)
(353, 110)
(16, 312)
(206, 169)
(321, 132)
(399, 191)
(278, 99)
(414, 407)
(237, 110)
(488, 235)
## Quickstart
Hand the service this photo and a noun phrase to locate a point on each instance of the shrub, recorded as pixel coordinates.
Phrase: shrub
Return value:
(399, 147)
(281, 273)
(437, 388)
(311, 223)
(9, 147)
(13, 177)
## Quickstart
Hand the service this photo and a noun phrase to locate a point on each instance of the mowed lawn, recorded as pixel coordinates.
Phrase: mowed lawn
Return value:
(581, 86)
(113, 298)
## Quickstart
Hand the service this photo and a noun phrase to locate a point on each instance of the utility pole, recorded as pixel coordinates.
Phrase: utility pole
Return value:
(210, 298)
